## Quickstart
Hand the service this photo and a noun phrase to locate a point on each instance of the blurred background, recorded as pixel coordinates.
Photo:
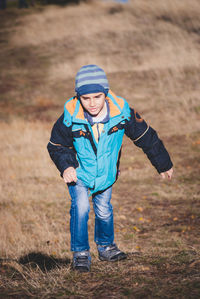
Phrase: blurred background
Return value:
(150, 51)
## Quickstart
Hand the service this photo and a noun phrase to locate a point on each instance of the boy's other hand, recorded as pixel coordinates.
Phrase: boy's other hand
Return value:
(168, 173)
(69, 175)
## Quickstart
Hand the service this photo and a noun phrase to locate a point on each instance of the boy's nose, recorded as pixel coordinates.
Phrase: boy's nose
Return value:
(92, 102)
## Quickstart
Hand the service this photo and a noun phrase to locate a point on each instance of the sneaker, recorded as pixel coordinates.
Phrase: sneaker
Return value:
(81, 261)
(110, 253)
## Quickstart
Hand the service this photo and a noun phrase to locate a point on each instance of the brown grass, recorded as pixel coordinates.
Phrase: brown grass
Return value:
(150, 51)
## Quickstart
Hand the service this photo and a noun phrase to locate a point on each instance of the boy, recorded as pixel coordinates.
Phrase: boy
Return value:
(85, 146)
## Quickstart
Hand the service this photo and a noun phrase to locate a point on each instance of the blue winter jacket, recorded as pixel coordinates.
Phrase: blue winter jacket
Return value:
(72, 143)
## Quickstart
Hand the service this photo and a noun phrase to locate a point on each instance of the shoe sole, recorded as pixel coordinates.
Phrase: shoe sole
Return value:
(81, 269)
(118, 258)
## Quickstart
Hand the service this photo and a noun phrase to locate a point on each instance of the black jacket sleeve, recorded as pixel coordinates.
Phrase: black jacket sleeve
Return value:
(146, 138)
(60, 147)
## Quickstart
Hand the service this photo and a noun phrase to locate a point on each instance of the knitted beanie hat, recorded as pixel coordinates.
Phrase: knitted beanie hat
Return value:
(91, 79)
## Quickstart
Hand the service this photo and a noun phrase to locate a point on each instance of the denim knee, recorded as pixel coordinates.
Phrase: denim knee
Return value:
(103, 212)
(82, 207)
(102, 206)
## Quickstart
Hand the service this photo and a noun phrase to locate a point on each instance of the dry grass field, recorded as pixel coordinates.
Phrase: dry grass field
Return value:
(150, 51)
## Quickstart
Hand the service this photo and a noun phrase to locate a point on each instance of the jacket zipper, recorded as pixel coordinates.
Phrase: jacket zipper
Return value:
(98, 131)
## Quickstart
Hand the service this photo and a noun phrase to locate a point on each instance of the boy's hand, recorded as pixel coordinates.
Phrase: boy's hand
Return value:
(69, 175)
(168, 173)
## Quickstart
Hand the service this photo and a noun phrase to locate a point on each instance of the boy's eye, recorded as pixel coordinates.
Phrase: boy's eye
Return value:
(97, 97)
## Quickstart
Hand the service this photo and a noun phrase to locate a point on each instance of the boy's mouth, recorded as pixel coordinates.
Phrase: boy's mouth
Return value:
(93, 109)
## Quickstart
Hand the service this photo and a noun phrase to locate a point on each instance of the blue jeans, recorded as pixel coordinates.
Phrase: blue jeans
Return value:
(80, 208)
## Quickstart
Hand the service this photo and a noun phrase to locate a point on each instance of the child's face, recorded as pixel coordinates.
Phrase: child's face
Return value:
(93, 103)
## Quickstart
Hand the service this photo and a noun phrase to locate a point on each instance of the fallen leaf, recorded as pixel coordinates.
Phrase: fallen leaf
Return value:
(140, 209)
(141, 219)
(136, 228)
